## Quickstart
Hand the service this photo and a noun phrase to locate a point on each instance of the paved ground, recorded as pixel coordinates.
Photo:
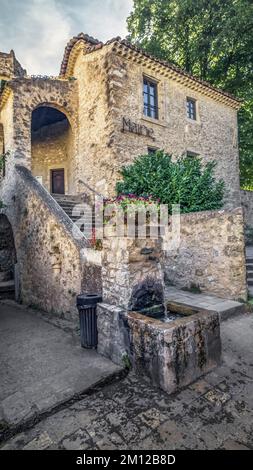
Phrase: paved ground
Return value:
(41, 365)
(215, 412)
(225, 307)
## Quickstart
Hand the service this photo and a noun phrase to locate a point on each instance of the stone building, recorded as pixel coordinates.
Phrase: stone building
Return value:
(110, 103)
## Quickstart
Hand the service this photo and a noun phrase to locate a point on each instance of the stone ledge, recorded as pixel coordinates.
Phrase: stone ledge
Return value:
(193, 216)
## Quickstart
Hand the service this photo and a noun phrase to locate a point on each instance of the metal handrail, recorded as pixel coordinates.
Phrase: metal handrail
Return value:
(91, 189)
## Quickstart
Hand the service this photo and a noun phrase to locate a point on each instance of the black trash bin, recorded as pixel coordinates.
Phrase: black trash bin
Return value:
(87, 307)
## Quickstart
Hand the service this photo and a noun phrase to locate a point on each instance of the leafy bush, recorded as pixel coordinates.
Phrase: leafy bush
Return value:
(187, 181)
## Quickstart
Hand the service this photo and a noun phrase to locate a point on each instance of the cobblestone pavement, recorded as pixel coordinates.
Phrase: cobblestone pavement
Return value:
(214, 413)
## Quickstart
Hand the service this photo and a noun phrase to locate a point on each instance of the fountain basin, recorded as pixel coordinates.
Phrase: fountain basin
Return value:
(170, 354)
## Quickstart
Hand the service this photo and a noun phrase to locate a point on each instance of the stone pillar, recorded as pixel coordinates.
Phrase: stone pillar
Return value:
(132, 276)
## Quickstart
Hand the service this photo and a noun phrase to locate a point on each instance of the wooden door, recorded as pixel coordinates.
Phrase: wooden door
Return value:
(57, 181)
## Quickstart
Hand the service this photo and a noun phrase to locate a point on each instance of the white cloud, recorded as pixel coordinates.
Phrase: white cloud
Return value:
(38, 30)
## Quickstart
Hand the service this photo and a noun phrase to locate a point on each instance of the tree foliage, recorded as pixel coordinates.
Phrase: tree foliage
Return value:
(212, 39)
(187, 182)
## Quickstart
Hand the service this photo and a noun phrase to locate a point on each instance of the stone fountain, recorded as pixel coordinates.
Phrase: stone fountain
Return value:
(171, 348)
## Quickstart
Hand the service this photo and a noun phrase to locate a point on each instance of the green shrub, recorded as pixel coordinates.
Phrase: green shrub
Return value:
(187, 181)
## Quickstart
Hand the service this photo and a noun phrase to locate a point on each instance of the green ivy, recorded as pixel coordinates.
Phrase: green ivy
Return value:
(187, 181)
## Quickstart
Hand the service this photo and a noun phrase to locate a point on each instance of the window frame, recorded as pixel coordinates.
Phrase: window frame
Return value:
(148, 108)
(192, 116)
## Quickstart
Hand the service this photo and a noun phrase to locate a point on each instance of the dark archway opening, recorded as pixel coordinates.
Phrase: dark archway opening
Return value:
(52, 149)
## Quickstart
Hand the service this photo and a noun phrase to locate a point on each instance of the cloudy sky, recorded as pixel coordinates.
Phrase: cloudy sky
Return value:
(38, 30)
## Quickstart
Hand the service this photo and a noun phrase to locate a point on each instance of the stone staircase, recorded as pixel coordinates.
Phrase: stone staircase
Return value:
(249, 266)
(78, 210)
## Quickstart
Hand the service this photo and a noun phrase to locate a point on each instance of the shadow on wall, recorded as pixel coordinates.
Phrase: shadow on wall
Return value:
(7, 250)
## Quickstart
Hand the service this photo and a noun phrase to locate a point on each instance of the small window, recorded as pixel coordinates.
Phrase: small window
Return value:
(150, 98)
(152, 150)
(191, 109)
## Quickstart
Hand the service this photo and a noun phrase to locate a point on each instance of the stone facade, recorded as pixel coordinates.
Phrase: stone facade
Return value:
(211, 254)
(100, 84)
(213, 135)
(117, 93)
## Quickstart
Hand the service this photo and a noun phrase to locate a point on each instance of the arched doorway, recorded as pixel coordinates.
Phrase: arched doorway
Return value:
(7, 258)
(52, 149)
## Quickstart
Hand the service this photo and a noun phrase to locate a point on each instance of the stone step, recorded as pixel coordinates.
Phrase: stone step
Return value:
(249, 260)
(250, 282)
(71, 212)
(6, 276)
(67, 197)
(77, 211)
(69, 201)
(250, 274)
(69, 205)
(7, 290)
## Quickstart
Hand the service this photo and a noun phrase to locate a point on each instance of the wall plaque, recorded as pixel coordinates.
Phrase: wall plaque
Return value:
(138, 129)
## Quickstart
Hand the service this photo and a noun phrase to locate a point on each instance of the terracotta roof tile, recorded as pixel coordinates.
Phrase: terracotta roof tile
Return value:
(95, 44)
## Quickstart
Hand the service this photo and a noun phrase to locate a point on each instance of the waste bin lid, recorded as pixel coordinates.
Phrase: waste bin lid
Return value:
(88, 299)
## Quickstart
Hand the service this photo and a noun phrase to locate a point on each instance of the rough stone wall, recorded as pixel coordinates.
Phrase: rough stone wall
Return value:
(6, 65)
(28, 93)
(1, 139)
(211, 254)
(96, 154)
(1, 148)
(7, 126)
(9, 66)
(247, 204)
(52, 264)
(126, 264)
(52, 148)
(213, 135)
(6, 120)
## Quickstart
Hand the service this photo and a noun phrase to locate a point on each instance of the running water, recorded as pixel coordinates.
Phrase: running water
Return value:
(169, 316)
(161, 312)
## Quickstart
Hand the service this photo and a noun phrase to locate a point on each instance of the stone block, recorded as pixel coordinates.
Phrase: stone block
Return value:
(171, 355)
